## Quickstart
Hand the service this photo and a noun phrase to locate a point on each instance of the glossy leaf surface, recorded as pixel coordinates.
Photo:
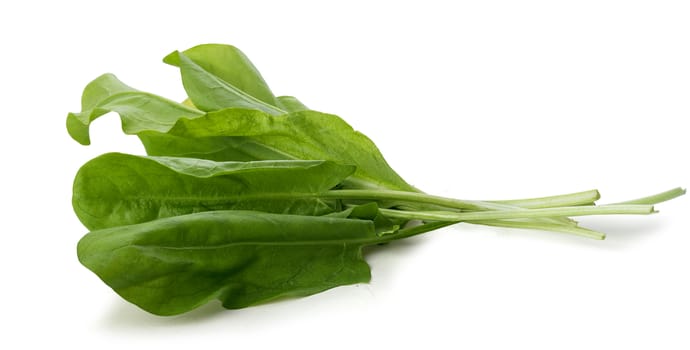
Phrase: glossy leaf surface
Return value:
(299, 135)
(191, 224)
(303, 134)
(257, 131)
(170, 266)
(119, 189)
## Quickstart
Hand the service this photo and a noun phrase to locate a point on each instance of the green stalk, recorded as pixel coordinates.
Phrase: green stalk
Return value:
(657, 198)
(543, 226)
(635, 209)
(543, 213)
(573, 199)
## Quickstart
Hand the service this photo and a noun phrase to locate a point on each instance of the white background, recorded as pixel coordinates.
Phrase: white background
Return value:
(478, 99)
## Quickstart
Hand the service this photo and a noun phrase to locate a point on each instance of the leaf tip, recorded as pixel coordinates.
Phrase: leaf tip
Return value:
(172, 58)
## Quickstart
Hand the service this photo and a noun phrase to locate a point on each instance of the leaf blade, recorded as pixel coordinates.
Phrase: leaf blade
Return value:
(209, 92)
(300, 135)
(119, 189)
(138, 110)
(229, 64)
(246, 258)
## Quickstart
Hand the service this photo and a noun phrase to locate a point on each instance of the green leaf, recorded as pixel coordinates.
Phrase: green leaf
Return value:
(138, 110)
(290, 104)
(172, 233)
(209, 92)
(256, 132)
(119, 189)
(298, 135)
(173, 265)
(231, 65)
(221, 148)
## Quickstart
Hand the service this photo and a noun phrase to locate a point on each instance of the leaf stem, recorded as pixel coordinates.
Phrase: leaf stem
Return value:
(544, 226)
(573, 199)
(636, 209)
(657, 198)
(578, 198)
(543, 213)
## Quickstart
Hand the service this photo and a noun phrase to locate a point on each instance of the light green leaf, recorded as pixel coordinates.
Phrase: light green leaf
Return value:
(138, 110)
(290, 104)
(209, 92)
(221, 148)
(231, 65)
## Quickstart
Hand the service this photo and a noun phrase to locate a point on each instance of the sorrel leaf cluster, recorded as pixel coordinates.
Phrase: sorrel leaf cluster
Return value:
(246, 197)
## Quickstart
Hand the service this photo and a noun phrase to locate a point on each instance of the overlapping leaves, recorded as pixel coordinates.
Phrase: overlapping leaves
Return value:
(247, 197)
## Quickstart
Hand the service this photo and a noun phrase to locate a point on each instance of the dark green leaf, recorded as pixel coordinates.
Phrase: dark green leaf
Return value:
(118, 189)
(170, 266)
